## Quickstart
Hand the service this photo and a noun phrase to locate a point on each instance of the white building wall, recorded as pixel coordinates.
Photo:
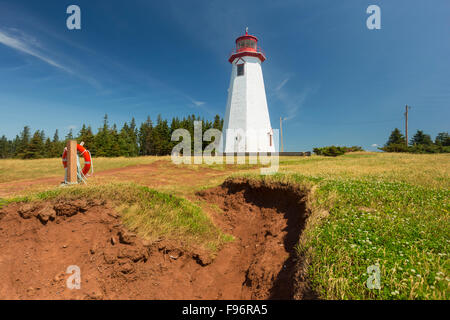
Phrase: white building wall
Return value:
(247, 112)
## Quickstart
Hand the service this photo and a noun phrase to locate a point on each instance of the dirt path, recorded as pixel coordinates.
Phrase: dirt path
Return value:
(159, 173)
(38, 243)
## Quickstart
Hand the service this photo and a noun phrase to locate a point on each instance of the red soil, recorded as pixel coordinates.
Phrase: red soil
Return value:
(39, 241)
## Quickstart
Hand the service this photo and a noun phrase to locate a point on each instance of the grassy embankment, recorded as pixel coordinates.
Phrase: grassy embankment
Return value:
(153, 215)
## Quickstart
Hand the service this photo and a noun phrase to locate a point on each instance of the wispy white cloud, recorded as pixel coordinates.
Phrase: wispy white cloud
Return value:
(282, 84)
(292, 101)
(198, 103)
(374, 145)
(27, 44)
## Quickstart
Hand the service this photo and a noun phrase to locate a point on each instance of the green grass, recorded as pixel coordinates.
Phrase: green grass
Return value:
(153, 215)
(3, 202)
(430, 170)
(402, 228)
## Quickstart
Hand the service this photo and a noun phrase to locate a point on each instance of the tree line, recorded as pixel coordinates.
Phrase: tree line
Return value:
(130, 141)
(334, 151)
(419, 143)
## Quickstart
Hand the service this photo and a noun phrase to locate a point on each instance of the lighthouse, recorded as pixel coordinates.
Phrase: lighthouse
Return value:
(247, 126)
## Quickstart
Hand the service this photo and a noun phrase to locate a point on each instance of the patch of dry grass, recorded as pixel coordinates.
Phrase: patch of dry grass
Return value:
(16, 169)
(430, 170)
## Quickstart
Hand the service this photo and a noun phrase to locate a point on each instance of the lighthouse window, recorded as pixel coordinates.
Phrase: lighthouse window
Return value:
(246, 44)
(240, 69)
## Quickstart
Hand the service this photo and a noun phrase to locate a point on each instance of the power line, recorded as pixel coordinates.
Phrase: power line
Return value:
(351, 123)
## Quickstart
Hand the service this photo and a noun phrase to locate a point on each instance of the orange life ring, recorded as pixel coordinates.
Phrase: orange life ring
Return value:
(86, 155)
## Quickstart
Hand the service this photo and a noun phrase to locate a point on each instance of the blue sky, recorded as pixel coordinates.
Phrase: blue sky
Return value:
(332, 79)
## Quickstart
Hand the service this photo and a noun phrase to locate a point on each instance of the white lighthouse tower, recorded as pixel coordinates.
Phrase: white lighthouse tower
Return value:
(247, 124)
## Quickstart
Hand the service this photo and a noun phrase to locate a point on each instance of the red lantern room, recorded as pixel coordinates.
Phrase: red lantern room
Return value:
(247, 45)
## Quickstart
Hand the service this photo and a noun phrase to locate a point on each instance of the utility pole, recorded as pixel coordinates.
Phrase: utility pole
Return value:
(406, 124)
(281, 133)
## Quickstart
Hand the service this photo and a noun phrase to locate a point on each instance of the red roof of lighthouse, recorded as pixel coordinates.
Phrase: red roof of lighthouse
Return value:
(247, 45)
(247, 36)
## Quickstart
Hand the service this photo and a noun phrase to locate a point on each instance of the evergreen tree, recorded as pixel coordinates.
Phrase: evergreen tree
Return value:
(23, 142)
(85, 135)
(145, 138)
(218, 123)
(4, 148)
(14, 146)
(125, 148)
(161, 137)
(56, 136)
(35, 147)
(103, 140)
(133, 138)
(48, 148)
(396, 137)
(395, 143)
(442, 139)
(114, 144)
(421, 138)
(69, 136)
(56, 146)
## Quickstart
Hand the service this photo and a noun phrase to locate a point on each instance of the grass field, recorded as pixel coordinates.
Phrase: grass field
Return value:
(15, 170)
(370, 209)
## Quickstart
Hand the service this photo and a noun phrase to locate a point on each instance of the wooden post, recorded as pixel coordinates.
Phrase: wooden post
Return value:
(72, 161)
